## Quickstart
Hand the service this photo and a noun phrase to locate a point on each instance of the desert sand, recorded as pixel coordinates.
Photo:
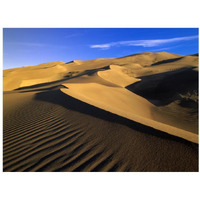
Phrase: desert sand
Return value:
(135, 113)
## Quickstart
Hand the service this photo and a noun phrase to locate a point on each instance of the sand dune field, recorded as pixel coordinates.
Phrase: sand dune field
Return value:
(137, 113)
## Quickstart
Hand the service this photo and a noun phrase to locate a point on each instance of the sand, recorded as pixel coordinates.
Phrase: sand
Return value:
(135, 113)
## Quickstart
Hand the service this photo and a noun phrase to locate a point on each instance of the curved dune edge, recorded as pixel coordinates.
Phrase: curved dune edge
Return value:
(116, 76)
(123, 103)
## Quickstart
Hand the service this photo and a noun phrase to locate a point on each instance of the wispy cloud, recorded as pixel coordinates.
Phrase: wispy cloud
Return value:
(35, 44)
(166, 48)
(143, 43)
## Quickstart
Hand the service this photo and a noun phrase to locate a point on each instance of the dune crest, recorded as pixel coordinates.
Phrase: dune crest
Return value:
(116, 76)
(124, 103)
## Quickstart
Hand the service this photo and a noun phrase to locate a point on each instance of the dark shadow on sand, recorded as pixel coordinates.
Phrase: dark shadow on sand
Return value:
(167, 61)
(165, 88)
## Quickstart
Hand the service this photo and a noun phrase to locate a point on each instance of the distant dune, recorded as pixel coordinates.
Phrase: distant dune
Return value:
(134, 113)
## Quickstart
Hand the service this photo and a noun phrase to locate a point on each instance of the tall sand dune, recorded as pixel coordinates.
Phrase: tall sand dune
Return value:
(133, 113)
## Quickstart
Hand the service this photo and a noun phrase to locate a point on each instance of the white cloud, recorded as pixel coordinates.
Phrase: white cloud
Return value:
(143, 43)
(102, 46)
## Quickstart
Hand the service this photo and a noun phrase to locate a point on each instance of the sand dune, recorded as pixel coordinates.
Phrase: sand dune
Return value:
(134, 113)
(27, 76)
(124, 103)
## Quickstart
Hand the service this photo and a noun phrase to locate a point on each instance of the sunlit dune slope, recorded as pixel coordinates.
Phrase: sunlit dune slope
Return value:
(124, 103)
(26, 76)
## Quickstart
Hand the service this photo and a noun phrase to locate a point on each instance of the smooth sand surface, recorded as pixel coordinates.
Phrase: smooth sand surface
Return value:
(135, 113)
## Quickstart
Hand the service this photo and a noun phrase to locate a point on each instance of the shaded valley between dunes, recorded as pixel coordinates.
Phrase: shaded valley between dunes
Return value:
(137, 113)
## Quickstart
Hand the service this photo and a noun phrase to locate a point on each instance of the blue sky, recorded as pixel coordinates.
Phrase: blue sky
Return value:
(32, 46)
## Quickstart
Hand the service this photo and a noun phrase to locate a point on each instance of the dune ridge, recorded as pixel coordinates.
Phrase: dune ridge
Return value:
(124, 103)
